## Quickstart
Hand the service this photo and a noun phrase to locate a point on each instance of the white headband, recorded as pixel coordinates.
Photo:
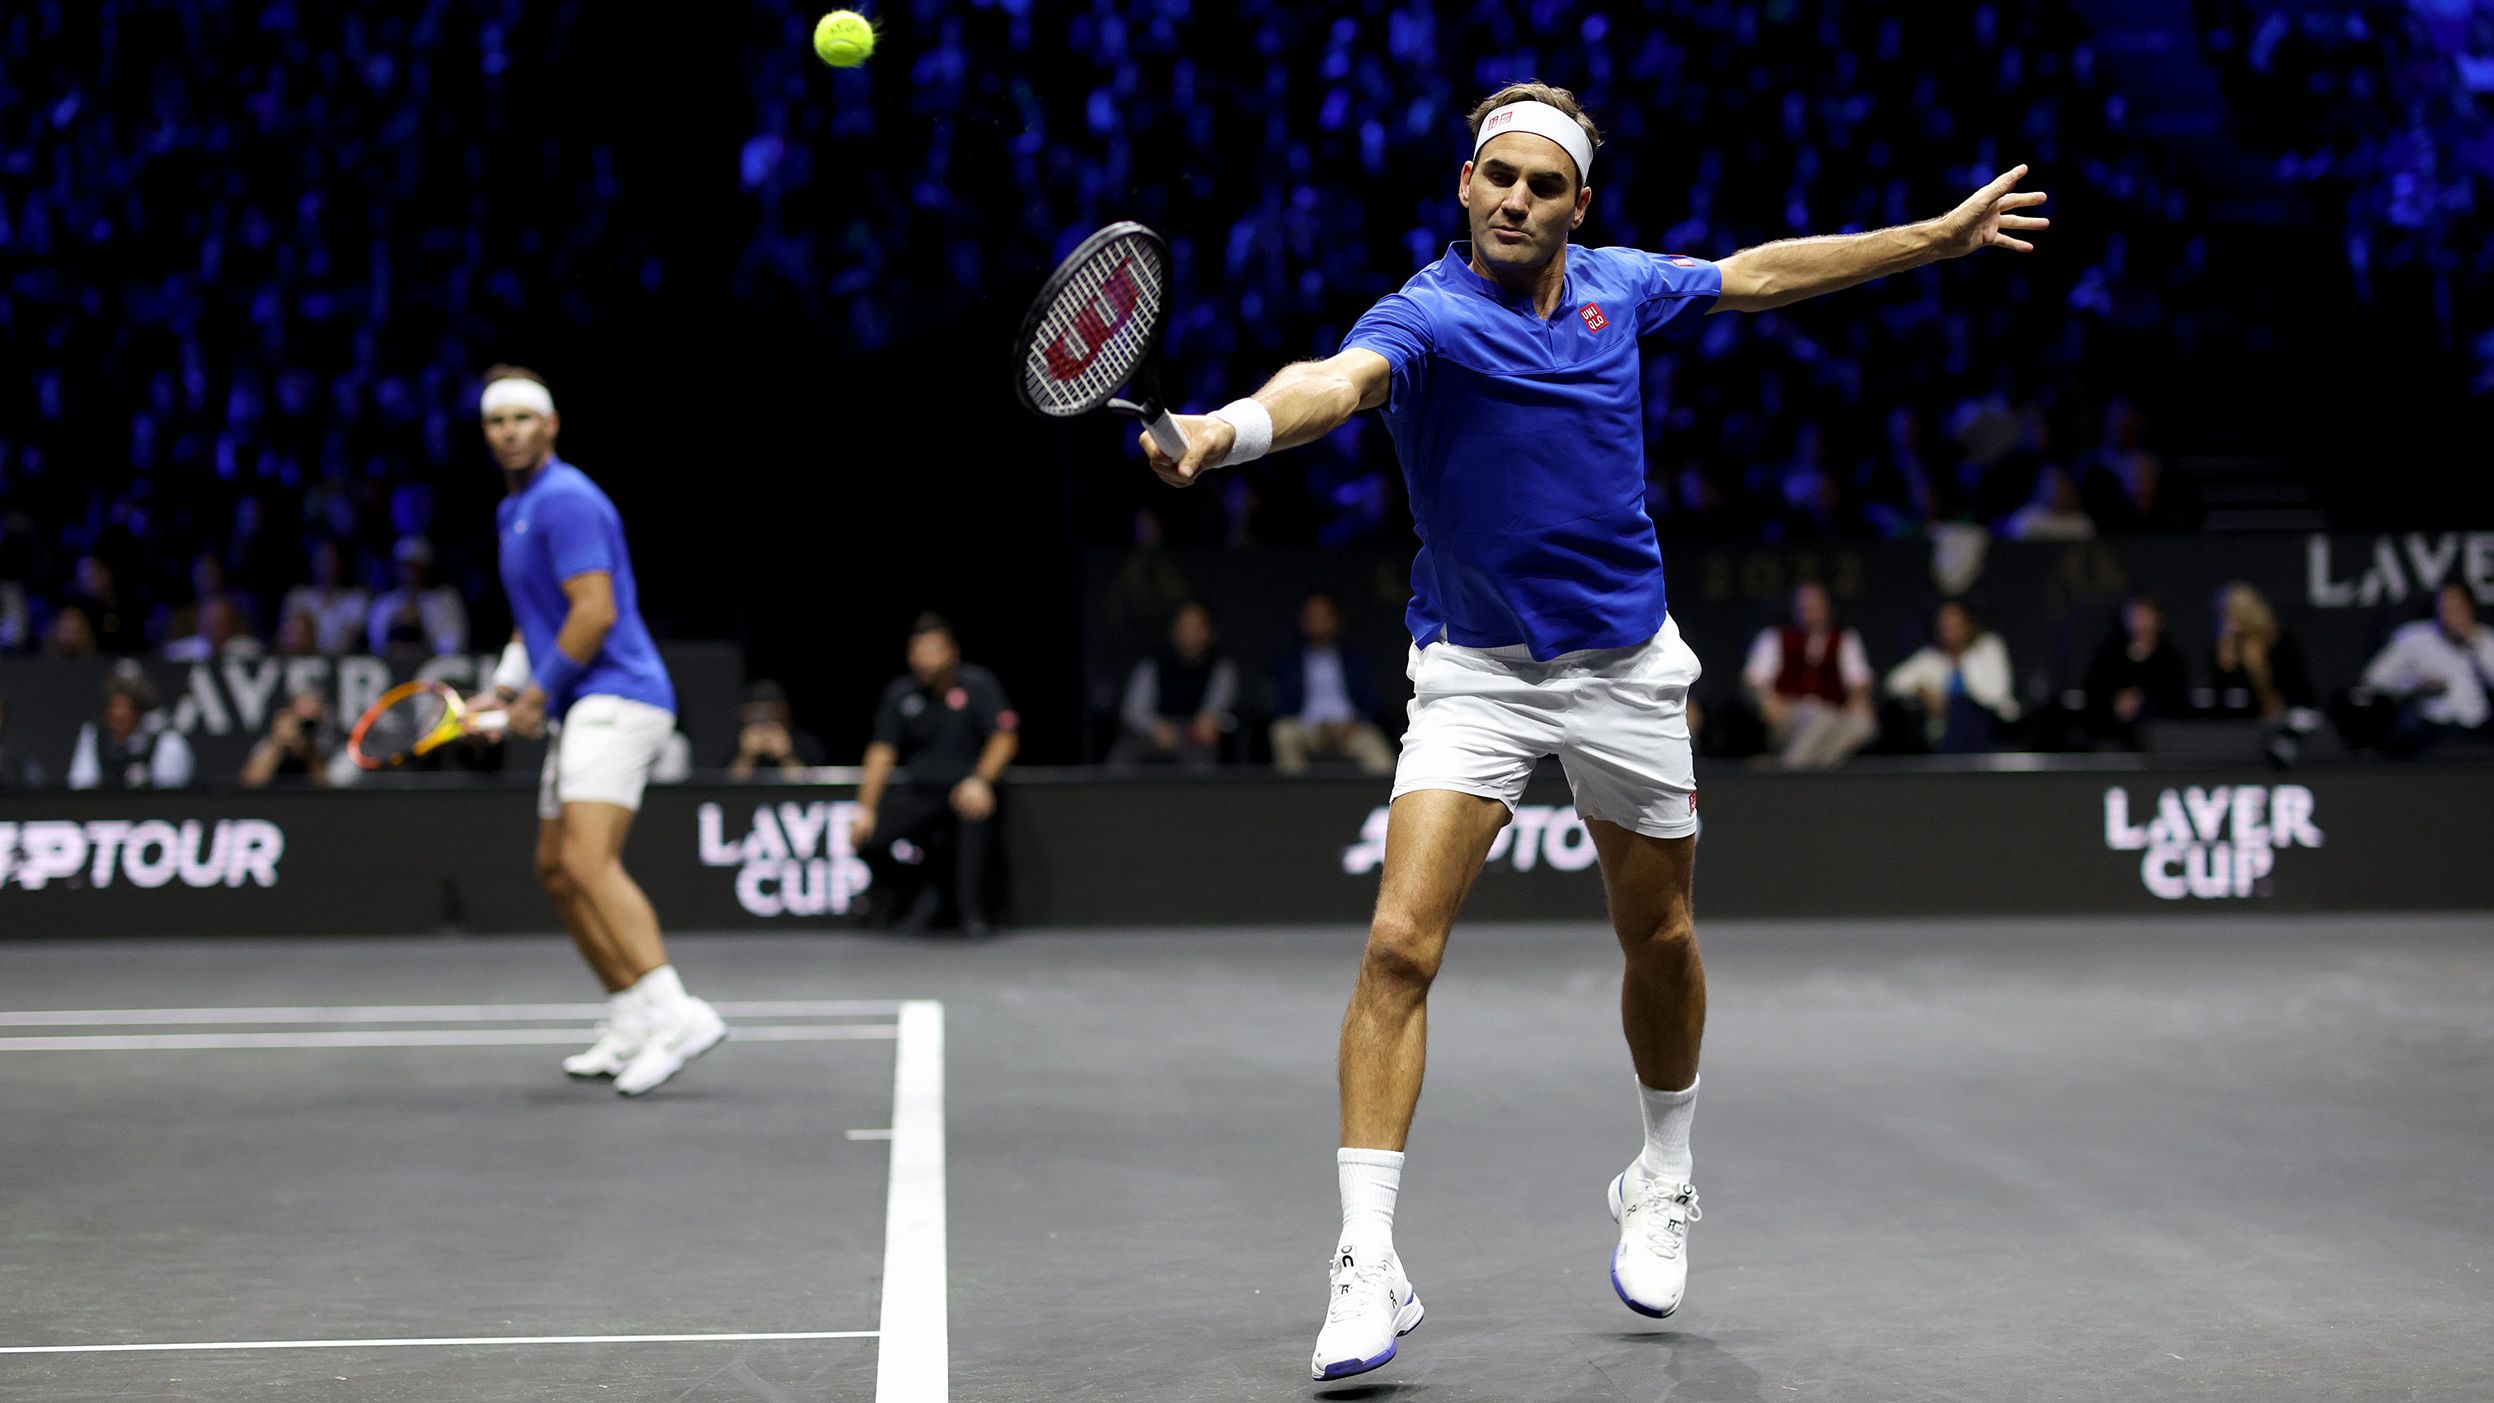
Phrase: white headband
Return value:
(516, 393)
(1541, 119)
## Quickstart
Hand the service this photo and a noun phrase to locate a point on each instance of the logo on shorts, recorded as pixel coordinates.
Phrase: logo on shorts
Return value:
(1592, 313)
(1693, 801)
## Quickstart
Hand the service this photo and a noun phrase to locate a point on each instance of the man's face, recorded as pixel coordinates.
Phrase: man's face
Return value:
(1955, 629)
(1319, 621)
(520, 438)
(932, 654)
(1810, 609)
(2456, 610)
(1522, 199)
(121, 715)
(2145, 621)
(1191, 631)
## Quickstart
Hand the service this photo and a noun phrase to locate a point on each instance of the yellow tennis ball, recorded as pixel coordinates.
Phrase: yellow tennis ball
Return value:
(844, 39)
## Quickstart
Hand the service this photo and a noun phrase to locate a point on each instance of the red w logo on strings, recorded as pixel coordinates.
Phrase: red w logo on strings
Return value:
(1093, 330)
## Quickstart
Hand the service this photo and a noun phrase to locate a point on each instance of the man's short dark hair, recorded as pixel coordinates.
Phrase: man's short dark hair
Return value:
(1531, 91)
(932, 622)
(512, 372)
(127, 681)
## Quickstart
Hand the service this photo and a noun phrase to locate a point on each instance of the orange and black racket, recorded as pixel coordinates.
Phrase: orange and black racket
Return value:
(414, 719)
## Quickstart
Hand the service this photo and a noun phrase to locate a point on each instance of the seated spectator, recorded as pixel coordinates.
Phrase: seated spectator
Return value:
(130, 746)
(1960, 683)
(224, 632)
(209, 590)
(72, 634)
(341, 611)
(18, 770)
(1325, 698)
(2054, 514)
(949, 724)
(2138, 675)
(302, 747)
(298, 635)
(113, 621)
(2128, 491)
(418, 616)
(1180, 701)
(1811, 682)
(766, 738)
(2255, 667)
(2439, 670)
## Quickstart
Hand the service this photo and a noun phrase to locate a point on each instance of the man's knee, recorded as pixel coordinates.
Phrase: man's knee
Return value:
(1402, 954)
(1670, 937)
(580, 864)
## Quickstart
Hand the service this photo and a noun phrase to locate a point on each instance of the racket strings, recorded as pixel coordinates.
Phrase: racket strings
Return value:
(401, 728)
(1098, 329)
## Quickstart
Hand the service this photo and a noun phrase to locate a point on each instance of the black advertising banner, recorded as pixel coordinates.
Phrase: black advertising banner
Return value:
(1084, 851)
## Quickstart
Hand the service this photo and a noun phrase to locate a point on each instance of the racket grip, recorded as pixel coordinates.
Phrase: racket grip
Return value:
(1165, 432)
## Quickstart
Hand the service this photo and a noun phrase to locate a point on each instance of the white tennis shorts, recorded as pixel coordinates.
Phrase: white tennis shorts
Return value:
(1617, 718)
(601, 753)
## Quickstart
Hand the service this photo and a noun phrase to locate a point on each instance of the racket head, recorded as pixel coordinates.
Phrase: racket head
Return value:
(407, 721)
(1096, 326)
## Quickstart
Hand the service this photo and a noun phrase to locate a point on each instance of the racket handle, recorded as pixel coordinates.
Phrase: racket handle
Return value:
(1165, 432)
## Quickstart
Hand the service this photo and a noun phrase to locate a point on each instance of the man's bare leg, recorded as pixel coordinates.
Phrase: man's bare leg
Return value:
(571, 906)
(1662, 995)
(1435, 843)
(592, 860)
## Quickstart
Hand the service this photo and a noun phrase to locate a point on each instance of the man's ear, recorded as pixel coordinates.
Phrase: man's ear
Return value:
(1584, 202)
(1463, 187)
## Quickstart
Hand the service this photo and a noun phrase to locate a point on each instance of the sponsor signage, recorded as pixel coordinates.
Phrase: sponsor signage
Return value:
(146, 853)
(2211, 844)
(792, 859)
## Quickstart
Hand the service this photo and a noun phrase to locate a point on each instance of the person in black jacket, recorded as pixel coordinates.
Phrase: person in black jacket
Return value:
(948, 727)
(2138, 675)
(1325, 698)
(1181, 701)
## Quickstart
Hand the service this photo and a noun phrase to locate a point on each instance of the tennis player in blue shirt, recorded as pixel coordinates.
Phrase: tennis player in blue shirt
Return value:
(1508, 373)
(582, 664)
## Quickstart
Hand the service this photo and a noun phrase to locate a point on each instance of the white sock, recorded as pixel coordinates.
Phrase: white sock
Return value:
(1667, 1117)
(623, 1009)
(1370, 1179)
(660, 991)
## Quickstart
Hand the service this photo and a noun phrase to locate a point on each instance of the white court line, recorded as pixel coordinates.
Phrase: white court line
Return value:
(417, 1013)
(912, 1360)
(412, 1037)
(870, 1134)
(447, 1340)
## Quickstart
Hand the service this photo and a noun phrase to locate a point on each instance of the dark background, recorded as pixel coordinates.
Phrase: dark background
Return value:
(775, 300)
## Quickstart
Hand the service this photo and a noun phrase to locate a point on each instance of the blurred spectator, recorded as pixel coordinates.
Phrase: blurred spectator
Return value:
(418, 616)
(766, 738)
(2439, 670)
(223, 633)
(302, 747)
(2128, 491)
(341, 611)
(131, 746)
(2255, 665)
(1180, 701)
(18, 770)
(1811, 682)
(17, 621)
(2137, 675)
(1325, 698)
(947, 726)
(1959, 683)
(72, 635)
(298, 635)
(2054, 514)
(209, 589)
(113, 620)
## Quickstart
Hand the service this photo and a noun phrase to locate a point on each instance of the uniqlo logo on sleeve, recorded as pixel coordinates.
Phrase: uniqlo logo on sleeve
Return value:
(1592, 313)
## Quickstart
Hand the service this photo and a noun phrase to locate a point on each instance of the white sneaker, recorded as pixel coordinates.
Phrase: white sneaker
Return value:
(1371, 1303)
(678, 1036)
(615, 1045)
(1650, 1267)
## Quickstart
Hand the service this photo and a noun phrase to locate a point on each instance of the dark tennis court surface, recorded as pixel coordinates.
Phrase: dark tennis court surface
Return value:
(2223, 1158)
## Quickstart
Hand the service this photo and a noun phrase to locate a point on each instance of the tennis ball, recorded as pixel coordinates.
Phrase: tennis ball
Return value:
(844, 39)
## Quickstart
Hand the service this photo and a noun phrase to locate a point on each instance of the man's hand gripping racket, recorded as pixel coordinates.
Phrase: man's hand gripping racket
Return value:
(1095, 328)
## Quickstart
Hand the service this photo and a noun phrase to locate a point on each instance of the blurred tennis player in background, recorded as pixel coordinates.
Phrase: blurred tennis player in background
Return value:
(1508, 372)
(581, 664)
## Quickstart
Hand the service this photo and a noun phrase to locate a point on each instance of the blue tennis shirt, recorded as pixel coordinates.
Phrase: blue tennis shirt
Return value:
(559, 526)
(1523, 442)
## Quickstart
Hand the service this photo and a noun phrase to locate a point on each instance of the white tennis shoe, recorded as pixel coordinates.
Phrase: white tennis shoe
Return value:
(1650, 1267)
(1370, 1303)
(676, 1037)
(616, 1043)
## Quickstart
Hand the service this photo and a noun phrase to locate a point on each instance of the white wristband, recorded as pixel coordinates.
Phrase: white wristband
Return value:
(512, 671)
(1255, 431)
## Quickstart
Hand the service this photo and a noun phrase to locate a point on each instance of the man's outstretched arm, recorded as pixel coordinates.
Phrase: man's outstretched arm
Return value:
(1307, 401)
(1777, 274)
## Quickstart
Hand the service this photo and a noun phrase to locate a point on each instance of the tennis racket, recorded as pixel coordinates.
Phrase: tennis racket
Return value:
(414, 719)
(1095, 328)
